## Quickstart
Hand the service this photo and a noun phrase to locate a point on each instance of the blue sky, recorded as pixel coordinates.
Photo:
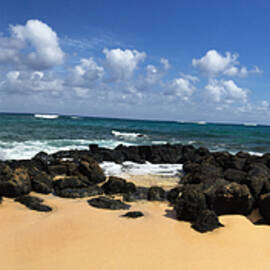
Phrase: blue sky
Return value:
(171, 60)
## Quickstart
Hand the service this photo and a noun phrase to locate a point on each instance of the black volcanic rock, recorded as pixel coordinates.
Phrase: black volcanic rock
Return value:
(230, 198)
(41, 182)
(79, 192)
(189, 204)
(33, 203)
(107, 203)
(14, 183)
(92, 171)
(117, 185)
(207, 220)
(133, 214)
(68, 183)
(156, 193)
(264, 207)
(130, 153)
(58, 169)
(172, 195)
(234, 175)
(141, 193)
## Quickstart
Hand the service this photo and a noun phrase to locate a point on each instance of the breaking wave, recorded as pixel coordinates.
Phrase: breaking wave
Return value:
(46, 116)
(127, 135)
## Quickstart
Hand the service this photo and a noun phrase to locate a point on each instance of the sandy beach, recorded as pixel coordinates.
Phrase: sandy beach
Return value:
(77, 236)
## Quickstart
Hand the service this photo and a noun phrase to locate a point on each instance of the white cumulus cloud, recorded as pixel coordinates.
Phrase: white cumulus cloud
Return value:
(222, 91)
(46, 51)
(180, 88)
(86, 73)
(25, 82)
(213, 64)
(123, 63)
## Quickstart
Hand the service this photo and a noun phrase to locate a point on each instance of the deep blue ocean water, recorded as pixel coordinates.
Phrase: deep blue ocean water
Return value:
(24, 135)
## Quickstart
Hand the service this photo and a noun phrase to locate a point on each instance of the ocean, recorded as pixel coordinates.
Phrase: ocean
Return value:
(24, 135)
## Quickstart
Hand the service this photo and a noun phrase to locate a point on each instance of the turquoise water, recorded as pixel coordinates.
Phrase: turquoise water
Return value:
(24, 135)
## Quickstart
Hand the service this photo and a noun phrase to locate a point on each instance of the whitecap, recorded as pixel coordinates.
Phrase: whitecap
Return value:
(127, 135)
(250, 124)
(201, 122)
(46, 116)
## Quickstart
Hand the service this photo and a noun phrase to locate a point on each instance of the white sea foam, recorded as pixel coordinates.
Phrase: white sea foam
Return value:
(46, 116)
(255, 153)
(133, 168)
(201, 122)
(28, 149)
(127, 135)
(250, 124)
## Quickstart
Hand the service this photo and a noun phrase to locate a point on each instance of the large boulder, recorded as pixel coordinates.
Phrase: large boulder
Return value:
(189, 204)
(130, 153)
(234, 175)
(92, 171)
(229, 198)
(14, 183)
(117, 185)
(41, 182)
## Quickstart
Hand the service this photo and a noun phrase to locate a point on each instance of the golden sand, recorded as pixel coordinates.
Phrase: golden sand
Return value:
(77, 236)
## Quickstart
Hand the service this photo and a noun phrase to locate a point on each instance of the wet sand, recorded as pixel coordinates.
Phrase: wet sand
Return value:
(77, 236)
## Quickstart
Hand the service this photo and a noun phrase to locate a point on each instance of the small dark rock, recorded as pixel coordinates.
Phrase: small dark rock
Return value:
(33, 203)
(106, 203)
(133, 214)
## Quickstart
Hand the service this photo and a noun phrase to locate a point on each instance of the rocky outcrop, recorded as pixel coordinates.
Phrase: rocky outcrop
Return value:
(213, 184)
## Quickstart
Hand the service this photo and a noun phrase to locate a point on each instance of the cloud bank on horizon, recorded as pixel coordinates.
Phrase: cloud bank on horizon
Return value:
(36, 74)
